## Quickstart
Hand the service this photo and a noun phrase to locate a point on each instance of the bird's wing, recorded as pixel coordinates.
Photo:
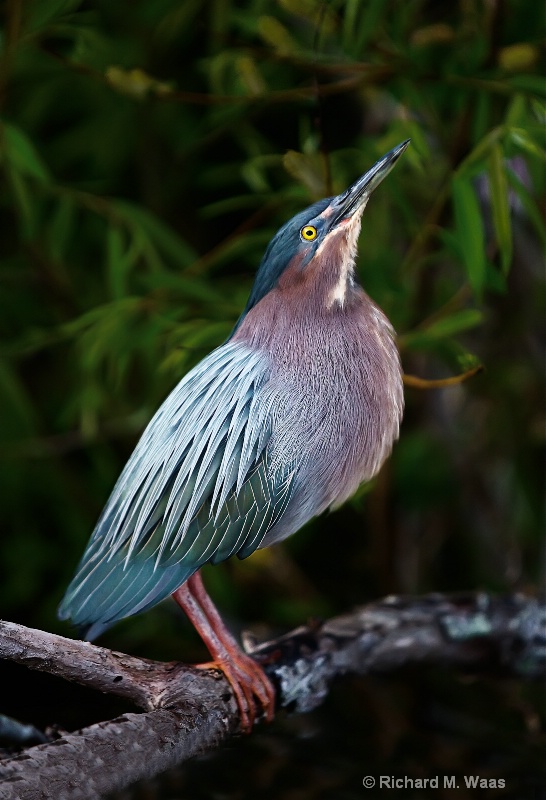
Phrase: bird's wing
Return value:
(197, 488)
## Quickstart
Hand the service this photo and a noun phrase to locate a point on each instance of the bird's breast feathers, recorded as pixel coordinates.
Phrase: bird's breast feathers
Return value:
(251, 444)
(336, 388)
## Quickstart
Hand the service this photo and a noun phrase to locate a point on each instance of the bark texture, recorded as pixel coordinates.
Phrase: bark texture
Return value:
(188, 710)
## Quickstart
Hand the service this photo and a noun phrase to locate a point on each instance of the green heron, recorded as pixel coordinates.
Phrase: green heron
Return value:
(286, 419)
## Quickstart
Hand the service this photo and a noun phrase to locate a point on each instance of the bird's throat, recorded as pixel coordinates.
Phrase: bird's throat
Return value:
(344, 245)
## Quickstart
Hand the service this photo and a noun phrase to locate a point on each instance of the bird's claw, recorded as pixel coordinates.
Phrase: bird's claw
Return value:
(252, 689)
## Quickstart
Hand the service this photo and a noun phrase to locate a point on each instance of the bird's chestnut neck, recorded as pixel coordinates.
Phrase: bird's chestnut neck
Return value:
(326, 280)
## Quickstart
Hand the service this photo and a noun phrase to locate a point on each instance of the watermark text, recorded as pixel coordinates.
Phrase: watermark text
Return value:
(437, 782)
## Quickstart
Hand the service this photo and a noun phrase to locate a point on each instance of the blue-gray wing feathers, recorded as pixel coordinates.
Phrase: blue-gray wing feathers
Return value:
(198, 488)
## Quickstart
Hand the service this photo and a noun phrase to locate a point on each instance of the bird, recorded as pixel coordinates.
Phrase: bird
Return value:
(285, 420)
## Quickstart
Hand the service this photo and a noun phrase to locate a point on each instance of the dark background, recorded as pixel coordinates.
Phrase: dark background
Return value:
(148, 152)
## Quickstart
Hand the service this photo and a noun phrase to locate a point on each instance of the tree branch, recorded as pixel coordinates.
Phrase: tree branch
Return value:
(191, 710)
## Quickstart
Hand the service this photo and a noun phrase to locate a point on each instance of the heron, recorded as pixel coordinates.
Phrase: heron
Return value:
(287, 418)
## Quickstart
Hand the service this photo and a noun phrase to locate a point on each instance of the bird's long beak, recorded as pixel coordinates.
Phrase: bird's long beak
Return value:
(353, 199)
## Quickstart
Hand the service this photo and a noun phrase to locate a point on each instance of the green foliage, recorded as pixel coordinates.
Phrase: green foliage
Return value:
(146, 159)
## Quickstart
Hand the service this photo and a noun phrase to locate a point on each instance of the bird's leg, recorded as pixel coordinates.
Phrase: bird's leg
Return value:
(199, 620)
(246, 677)
(259, 683)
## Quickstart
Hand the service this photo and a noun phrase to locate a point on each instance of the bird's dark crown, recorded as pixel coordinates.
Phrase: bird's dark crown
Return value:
(282, 248)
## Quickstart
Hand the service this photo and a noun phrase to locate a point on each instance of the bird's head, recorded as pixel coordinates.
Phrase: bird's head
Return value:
(319, 243)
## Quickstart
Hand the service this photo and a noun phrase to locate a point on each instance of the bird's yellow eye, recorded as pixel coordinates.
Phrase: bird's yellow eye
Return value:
(308, 232)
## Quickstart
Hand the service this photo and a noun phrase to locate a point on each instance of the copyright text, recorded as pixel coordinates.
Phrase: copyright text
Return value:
(443, 781)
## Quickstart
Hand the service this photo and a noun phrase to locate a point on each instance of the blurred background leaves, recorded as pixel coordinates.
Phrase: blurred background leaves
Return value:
(148, 152)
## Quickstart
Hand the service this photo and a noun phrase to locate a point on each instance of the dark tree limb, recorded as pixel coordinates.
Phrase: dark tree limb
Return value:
(189, 711)
(13, 731)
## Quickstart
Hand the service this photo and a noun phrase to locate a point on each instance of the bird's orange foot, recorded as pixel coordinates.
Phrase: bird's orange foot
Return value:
(251, 687)
(253, 691)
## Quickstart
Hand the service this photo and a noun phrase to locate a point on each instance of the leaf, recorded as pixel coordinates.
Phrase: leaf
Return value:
(38, 15)
(539, 110)
(21, 154)
(136, 83)
(205, 334)
(529, 204)
(250, 76)
(115, 251)
(276, 35)
(471, 164)
(254, 174)
(517, 112)
(523, 141)
(307, 170)
(312, 11)
(443, 328)
(533, 84)
(164, 238)
(500, 207)
(189, 288)
(358, 29)
(519, 57)
(437, 33)
(17, 415)
(470, 232)
(24, 199)
(60, 228)
(455, 323)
